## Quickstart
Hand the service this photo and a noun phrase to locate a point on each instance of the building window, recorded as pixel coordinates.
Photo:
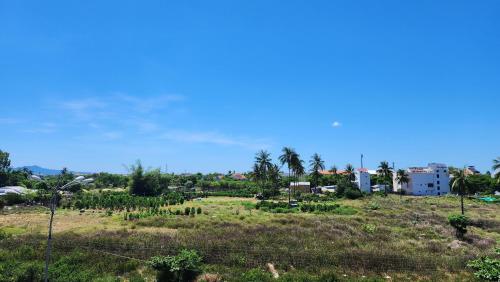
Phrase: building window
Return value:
(445, 171)
(437, 171)
(439, 188)
(438, 176)
(438, 181)
(430, 185)
(439, 194)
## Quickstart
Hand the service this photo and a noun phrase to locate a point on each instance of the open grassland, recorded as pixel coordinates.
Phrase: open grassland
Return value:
(379, 237)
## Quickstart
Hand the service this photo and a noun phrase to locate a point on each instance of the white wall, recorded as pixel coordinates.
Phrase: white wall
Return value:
(363, 181)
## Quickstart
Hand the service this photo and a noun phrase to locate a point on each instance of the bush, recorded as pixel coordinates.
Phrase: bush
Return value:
(486, 268)
(198, 211)
(184, 267)
(187, 210)
(369, 228)
(460, 223)
(13, 199)
(256, 275)
(353, 193)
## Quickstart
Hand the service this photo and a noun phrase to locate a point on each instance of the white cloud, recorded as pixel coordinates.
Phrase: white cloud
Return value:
(112, 135)
(336, 124)
(46, 127)
(9, 121)
(215, 138)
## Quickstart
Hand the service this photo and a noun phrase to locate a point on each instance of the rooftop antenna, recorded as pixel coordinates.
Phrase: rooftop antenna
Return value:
(393, 166)
(362, 161)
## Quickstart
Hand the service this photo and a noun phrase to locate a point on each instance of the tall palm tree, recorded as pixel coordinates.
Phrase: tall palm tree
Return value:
(262, 166)
(384, 171)
(460, 185)
(297, 167)
(496, 168)
(287, 157)
(316, 164)
(349, 170)
(402, 178)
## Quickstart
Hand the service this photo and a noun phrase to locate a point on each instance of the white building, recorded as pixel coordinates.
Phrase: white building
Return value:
(12, 190)
(432, 180)
(363, 180)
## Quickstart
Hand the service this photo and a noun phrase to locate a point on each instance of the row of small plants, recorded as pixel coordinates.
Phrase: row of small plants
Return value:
(188, 211)
(123, 201)
(283, 207)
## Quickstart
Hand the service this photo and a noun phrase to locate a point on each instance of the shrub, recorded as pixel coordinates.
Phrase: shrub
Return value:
(182, 268)
(198, 211)
(256, 275)
(373, 206)
(13, 199)
(193, 211)
(369, 228)
(353, 193)
(486, 268)
(187, 210)
(460, 223)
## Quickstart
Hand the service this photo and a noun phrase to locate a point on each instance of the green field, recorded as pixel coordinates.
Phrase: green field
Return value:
(363, 240)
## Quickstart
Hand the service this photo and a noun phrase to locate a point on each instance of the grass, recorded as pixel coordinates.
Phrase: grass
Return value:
(405, 239)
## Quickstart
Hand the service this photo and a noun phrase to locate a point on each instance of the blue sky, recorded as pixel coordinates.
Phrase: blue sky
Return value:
(203, 85)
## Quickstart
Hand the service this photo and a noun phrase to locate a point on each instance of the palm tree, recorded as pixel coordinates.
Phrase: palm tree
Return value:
(349, 170)
(496, 168)
(334, 169)
(288, 158)
(384, 171)
(316, 164)
(460, 185)
(297, 167)
(262, 166)
(274, 177)
(402, 178)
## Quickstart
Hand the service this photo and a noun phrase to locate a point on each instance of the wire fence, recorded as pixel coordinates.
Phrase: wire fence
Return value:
(379, 261)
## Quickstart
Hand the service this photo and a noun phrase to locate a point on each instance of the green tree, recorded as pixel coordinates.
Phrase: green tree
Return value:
(298, 168)
(384, 172)
(4, 168)
(316, 164)
(460, 184)
(287, 157)
(261, 168)
(496, 168)
(349, 171)
(402, 178)
(137, 180)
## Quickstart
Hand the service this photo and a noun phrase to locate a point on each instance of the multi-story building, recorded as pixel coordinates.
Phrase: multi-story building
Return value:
(433, 180)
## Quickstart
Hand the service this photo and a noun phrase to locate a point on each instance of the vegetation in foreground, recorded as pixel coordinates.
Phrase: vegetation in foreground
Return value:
(409, 239)
(150, 225)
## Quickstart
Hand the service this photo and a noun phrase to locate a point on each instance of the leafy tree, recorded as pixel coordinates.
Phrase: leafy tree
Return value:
(402, 178)
(4, 168)
(137, 180)
(460, 185)
(316, 164)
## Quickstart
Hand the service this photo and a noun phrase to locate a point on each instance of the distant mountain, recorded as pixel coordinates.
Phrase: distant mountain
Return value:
(45, 171)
